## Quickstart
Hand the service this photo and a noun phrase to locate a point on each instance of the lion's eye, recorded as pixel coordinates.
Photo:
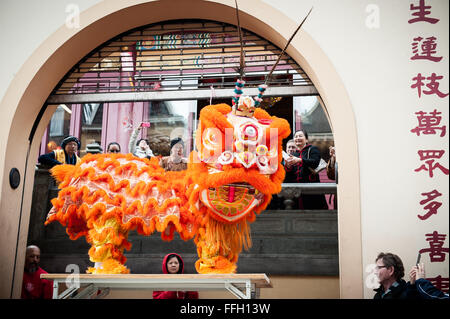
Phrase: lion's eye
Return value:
(212, 138)
(250, 132)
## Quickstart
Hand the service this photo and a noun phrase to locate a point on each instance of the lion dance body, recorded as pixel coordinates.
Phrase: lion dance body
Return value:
(230, 178)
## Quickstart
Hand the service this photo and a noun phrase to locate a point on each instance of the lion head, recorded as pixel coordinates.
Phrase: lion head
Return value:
(236, 165)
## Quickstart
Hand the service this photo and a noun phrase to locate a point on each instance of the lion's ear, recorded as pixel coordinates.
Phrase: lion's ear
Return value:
(282, 125)
(261, 114)
(212, 120)
(215, 116)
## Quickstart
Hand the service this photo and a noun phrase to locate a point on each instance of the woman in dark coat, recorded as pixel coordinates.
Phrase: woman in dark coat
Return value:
(301, 167)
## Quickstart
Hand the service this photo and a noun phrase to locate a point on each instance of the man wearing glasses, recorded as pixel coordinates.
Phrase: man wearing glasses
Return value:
(66, 155)
(390, 271)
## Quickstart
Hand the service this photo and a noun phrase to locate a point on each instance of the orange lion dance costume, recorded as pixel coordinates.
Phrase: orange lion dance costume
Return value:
(230, 179)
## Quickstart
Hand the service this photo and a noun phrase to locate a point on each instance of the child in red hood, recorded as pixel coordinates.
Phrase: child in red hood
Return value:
(173, 264)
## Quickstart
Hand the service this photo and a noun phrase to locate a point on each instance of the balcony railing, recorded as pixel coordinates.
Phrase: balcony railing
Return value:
(292, 191)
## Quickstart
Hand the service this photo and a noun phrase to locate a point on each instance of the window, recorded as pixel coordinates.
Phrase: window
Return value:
(169, 120)
(58, 128)
(308, 114)
(91, 127)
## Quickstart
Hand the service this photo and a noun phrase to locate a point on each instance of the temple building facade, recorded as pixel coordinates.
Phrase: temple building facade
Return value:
(367, 78)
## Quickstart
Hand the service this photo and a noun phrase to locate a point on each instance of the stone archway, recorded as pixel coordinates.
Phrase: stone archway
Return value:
(49, 63)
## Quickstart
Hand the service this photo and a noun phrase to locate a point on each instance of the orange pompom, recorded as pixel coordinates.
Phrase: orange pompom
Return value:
(60, 172)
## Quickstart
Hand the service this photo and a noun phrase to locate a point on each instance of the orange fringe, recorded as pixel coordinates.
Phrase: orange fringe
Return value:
(231, 237)
(215, 265)
(109, 266)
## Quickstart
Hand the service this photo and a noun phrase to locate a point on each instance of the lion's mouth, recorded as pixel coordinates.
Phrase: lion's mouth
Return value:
(231, 202)
(232, 192)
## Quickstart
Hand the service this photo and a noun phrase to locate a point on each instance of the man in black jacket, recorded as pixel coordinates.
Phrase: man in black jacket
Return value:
(66, 155)
(390, 271)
